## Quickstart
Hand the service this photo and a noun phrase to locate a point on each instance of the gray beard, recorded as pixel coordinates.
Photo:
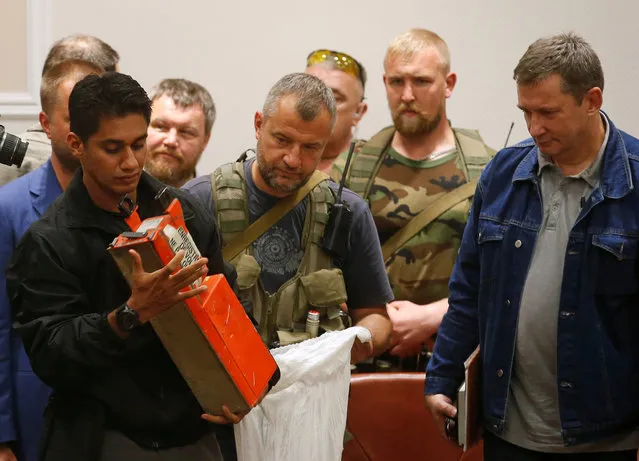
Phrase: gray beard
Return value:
(270, 178)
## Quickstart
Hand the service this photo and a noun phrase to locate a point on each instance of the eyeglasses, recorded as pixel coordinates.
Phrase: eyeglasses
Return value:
(342, 61)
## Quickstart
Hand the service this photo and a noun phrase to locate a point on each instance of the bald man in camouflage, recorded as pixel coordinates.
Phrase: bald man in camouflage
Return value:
(418, 177)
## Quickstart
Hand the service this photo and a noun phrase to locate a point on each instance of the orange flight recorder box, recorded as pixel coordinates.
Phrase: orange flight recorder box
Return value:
(209, 337)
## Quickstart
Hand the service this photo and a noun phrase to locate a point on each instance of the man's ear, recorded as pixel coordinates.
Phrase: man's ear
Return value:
(258, 123)
(362, 107)
(451, 81)
(76, 146)
(45, 123)
(206, 141)
(594, 99)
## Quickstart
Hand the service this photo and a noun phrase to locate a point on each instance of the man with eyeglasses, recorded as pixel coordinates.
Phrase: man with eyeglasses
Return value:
(347, 78)
(408, 172)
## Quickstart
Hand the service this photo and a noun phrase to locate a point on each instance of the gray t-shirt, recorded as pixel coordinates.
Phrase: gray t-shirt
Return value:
(532, 416)
(279, 251)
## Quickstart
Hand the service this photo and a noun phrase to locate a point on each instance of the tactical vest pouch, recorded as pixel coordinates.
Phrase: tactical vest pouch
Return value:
(325, 290)
(287, 338)
(290, 296)
(248, 271)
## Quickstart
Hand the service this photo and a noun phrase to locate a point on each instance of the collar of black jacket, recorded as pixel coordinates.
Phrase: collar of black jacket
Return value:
(82, 212)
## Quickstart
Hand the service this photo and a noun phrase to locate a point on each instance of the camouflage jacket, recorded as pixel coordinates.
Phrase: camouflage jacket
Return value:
(398, 189)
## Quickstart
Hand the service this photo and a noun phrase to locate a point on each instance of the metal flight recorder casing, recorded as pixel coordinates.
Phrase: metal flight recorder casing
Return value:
(209, 337)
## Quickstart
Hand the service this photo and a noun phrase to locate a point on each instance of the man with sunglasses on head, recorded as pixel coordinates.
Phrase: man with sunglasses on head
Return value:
(347, 78)
(410, 167)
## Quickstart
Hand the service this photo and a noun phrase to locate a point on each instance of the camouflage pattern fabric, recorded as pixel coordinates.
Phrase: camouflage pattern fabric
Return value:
(400, 189)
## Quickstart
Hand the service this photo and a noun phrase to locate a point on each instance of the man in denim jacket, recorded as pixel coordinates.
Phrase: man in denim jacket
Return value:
(546, 280)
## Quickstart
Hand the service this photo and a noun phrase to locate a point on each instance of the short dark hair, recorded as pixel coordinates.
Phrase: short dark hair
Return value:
(567, 55)
(84, 47)
(105, 96)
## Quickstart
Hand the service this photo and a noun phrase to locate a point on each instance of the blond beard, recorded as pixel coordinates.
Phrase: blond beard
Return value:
(419, 125)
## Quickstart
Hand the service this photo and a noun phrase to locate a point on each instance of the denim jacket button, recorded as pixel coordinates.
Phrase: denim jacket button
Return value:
(508, 302)
(500, 373)
(518, 244)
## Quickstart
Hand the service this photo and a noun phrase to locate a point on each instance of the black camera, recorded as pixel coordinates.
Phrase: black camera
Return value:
(12, 148)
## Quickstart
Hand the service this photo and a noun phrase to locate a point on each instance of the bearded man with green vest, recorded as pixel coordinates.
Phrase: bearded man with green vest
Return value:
(272, 212)
(418, 177)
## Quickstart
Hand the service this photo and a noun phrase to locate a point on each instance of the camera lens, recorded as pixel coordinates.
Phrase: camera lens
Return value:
(12, 148)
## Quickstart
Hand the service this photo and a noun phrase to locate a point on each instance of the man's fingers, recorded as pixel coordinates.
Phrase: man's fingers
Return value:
(361, 351)
(182, 295)
(174, 264)
(233, 417)
(215, 419)
(440, 405)
(188, 275)
(137, 262)
(201, 272)
(445, 409)
(228, 418)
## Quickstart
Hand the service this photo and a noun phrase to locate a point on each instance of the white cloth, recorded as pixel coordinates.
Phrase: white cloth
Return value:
(304, 416)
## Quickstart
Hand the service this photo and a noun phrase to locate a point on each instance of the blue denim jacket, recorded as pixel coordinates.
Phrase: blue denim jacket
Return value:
(598, 331)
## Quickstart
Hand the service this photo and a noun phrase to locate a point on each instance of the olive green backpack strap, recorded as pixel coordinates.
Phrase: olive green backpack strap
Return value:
(366, 162)
(475, 154)
(322, 199)
(271, 217)
(229, 199)
(438, 207)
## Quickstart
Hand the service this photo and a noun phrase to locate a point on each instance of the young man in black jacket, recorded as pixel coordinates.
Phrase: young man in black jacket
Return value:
(116, 393)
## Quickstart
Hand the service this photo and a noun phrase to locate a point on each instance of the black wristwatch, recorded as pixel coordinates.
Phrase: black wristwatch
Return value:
(126, 318)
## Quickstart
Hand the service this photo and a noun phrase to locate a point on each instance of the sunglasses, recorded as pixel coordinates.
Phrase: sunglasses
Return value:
(342, 61)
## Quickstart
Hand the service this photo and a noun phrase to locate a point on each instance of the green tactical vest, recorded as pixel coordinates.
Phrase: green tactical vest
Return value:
(368, 156)
(419, 270)
(317, 285)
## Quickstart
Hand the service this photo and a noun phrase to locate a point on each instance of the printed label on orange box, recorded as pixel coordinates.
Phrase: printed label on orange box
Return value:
(210, 338)
(180, 239)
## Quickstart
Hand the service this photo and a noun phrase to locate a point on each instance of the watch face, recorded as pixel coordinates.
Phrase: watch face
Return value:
(127, 319)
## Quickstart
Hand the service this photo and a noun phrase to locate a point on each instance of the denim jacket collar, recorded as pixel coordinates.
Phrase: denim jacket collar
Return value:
(616, 180)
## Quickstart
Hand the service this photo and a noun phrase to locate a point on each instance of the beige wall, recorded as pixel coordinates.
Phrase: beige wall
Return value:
(13, 46)
(239, 49)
